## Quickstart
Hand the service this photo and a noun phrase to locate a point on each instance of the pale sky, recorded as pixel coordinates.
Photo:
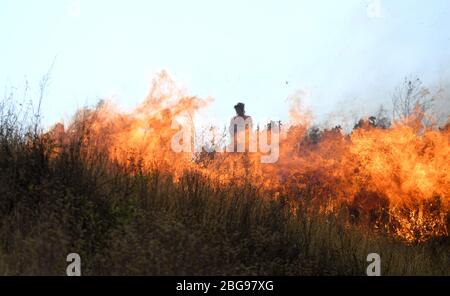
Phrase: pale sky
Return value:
(346, 54)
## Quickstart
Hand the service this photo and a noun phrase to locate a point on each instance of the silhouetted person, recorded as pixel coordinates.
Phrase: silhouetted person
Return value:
(241, 126)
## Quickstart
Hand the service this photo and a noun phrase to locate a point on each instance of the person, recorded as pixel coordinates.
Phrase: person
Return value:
(240, 129)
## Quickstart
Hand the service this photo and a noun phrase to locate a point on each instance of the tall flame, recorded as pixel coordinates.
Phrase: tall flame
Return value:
(398, 177)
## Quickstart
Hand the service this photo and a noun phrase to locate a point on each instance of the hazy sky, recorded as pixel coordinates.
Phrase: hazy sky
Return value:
(348, 53)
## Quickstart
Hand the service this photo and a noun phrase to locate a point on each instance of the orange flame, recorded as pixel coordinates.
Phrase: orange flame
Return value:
(397, 177)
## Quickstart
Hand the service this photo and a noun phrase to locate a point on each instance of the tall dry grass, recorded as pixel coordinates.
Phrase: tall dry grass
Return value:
(126, 221)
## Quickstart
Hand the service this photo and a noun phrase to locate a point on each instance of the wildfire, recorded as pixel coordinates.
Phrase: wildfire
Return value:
(396, 179)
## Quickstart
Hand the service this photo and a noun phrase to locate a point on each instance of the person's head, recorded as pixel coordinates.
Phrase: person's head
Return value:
(240, 109)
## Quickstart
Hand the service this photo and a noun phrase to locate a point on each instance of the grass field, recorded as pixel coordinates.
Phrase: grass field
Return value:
(125, 221)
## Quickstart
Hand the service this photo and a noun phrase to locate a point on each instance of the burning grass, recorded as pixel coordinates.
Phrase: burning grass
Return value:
(110, 188)
(395, 178)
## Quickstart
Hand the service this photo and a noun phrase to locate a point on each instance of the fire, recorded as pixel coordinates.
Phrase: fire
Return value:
(395, 179)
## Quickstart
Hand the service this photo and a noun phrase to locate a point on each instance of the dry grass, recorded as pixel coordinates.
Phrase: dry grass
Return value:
(123, 221)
